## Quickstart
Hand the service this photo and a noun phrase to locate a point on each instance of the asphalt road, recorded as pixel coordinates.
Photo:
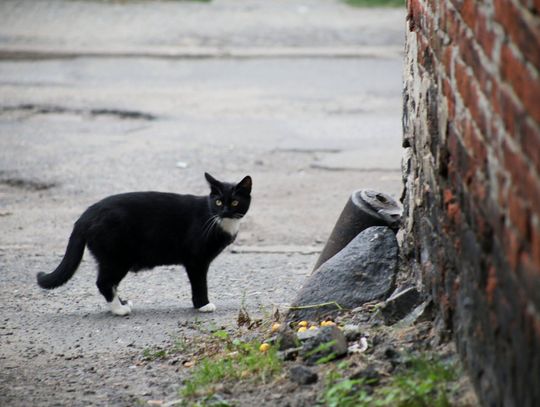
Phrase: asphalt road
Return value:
(98, 98)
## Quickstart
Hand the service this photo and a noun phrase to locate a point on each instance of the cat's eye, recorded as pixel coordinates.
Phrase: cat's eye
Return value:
(218, 202)
(234, 203)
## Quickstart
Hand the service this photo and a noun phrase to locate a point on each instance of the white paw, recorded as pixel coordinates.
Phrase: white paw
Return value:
(117, 308)
(207, 308)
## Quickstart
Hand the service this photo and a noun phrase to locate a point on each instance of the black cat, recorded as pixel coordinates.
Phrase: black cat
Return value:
(141, 230)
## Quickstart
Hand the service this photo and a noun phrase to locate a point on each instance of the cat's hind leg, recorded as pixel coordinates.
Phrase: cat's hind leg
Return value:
(119, 306)
(107, 282)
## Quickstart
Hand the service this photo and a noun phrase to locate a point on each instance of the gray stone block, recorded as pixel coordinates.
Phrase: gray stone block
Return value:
(363, 271)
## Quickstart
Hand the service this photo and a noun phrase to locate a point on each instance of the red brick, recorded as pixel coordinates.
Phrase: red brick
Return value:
(524, 84)
(452, 25)
(447, 60)
(462, 81)
(450, 98)
(470, 52)
(428, 25)
(514, 163)
(529, 270)
(494, 98)
(454, 213)
(436, 42)
(471, 94)
(529, 274)
(477, 111)
(512, 247)
(532, 5)
(510, 111)
(414, 14)
(526, 182)
(469, 13)
(503, 190)
(524, 35)
(476, 149)
(535, 245)
(424, 52)
(531, 143)
(465, 166)
(448, 196)
(432, 5)
(531, 97)
(474, 15)
(491, 284)
(484, 36)
(519, 215)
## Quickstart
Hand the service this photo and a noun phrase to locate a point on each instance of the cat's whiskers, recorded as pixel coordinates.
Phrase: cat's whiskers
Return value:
(209, 226)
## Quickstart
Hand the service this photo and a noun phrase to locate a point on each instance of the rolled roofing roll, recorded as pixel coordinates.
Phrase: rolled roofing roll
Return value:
(365, 208)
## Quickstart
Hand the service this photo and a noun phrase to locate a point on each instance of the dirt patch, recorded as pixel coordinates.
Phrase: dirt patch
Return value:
(402, 363)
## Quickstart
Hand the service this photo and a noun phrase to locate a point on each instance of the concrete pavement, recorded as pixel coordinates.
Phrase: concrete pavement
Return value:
(98, 98)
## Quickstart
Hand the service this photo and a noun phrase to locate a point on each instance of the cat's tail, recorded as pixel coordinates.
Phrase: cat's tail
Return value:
(69, 263)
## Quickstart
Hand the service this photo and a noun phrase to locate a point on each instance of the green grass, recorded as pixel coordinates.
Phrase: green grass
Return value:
(154, 354)
(237, 361)
(179, 346)
(424, 383)
(376, 3)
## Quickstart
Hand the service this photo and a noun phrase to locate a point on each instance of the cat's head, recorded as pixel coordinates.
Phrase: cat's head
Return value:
(228, 200)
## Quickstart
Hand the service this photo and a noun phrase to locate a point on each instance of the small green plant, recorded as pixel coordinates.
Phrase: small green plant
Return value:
(376, 3)
(179, 345)
(237, 361)
(322, 353)
(154, 354)
(346, 393)
(424, 383)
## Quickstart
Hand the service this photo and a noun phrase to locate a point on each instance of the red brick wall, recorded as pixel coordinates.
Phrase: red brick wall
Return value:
(472, 189)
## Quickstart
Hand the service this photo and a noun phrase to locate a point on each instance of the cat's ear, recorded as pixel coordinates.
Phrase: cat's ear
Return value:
(215, 185)
(245, 184)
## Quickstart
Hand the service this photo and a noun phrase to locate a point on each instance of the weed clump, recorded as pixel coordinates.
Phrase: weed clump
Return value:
(236, 361)
(424, 382)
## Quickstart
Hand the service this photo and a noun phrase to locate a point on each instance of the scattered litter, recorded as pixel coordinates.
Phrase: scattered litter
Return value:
(172, 402)
(181, 164)
(359, 347)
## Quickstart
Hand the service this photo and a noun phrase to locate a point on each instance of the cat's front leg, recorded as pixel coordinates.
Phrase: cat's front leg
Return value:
(199, 288)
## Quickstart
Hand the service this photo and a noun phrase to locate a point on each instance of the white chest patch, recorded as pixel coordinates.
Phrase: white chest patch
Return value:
(231, 226)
